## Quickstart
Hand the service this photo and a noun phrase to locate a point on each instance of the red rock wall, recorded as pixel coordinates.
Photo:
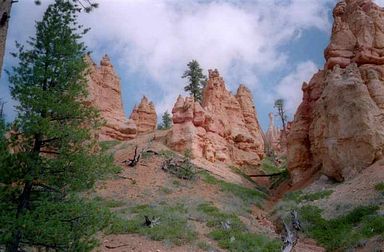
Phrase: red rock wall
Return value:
(338, 128)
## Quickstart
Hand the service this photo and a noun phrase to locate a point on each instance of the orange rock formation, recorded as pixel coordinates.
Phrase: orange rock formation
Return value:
(224, 128)
(339, 126)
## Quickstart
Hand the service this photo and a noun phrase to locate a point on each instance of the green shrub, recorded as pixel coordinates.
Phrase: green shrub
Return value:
(343, 232)
(172, 225)
(299, 196)
(379, 187)
(234, 236)
(107, 145)
(249, 196)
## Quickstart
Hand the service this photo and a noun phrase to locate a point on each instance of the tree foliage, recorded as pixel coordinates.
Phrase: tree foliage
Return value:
(280, 106)
(56, 155)
(196, 80)
(87, 5)
(166, 121)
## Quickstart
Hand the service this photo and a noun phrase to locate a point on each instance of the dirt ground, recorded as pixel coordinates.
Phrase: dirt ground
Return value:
(147, 183)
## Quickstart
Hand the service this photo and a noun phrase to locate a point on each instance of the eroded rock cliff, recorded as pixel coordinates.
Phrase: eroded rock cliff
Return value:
(144, 116)
(338, 128)
(224, 128)
(105, 94)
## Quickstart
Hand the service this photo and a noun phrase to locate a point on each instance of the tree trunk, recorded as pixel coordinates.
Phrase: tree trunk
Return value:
(24, 200)
(5, 11)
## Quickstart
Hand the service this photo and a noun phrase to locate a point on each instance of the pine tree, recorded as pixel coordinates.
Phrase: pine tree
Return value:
(40, 204)
(196, 80)
(280, 106)
(167, 120)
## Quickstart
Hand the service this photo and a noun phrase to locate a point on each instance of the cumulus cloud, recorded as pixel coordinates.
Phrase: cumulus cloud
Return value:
(289, 88)
(156, 39)
(153, 40)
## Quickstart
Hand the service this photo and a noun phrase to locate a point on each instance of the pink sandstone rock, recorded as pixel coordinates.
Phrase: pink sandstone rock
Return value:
(105, 94)
(272, 136)
(224, 128)
(338, 128)
(144, 116)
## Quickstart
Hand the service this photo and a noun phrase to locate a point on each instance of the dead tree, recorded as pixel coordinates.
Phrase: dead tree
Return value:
(151, 222)
(291, 232)
(133, 162)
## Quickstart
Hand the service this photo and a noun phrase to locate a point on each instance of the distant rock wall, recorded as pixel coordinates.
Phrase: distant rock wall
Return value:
(224, 128)
(272, 136)
(338, 128)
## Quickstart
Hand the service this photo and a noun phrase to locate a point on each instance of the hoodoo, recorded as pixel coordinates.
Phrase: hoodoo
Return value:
(338, 128)
(223, 128)
(105, 94)
(144, 116)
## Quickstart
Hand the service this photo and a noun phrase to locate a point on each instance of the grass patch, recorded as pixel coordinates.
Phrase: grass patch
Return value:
(241, 173)
(249, 196)
(165, 190)
(268, 166)
(231, 233)
(299, 196)
(204, 246)
(181, 168)
(343, 232)
(379, 187)
(172, 228)
(167, 154)
(109, 203)
(106, 145)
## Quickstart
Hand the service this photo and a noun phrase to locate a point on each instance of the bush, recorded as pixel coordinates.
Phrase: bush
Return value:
(172, 225)
(343, 232)
(249, 196)
(231, 233)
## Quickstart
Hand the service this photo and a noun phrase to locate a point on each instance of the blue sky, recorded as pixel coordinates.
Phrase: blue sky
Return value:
(271, 46)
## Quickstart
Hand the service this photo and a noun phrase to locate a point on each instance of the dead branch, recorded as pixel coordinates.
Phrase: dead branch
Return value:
(117, 246)
(133, 162)
(151, 222)
(267, 175)
(291, 232)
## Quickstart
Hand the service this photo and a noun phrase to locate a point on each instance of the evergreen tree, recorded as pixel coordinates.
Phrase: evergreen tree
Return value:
(280, 106)
(56, 157)
(167, 120)
(196, 80)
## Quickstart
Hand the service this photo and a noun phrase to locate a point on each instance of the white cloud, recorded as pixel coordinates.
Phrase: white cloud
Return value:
(156, 39)
(289, 88)
(379, 2)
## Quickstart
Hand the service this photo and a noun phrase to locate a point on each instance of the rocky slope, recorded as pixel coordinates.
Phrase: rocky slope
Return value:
(338, 128)
(224, 128)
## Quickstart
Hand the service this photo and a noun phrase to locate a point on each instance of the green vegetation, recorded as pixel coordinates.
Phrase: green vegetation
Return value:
(379, 187)
(249, 196)
(108, 203)
(196, 80)
(232, 234)
(299, 196)
(183, 169)
(167, 154)
(107, 145)
(40, 183)
(172, 225)
(343, 232)
(268, 166)
(166, 121)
